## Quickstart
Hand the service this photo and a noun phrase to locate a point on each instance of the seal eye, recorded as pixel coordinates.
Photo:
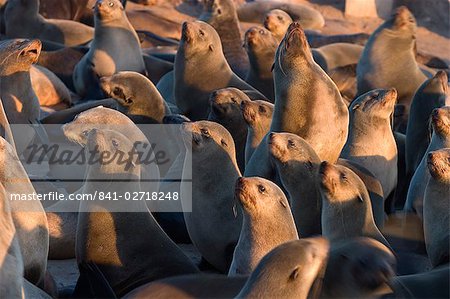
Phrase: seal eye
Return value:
(205, 132)
(85, 133)
(261, 31)
(201, 32)
(114, 143)
(343, 177)
(117, 91)
(291, 143)
(261, 189)
(111, 4)
(294, 274)
(219, 11)
(262, 109)
(280, 18)
(233, 100)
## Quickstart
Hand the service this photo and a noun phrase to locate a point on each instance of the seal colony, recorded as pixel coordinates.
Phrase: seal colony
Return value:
(292, 163)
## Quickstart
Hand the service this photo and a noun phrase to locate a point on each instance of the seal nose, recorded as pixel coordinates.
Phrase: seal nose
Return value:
(325, 166)
(271, 137)
(243, 105)
(239, 183)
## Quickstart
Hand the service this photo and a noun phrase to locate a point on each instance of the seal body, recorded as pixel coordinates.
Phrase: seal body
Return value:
(267, 223)
(22, 20)
(371, 142)
(440, 120)
(213, 227)
(115, 48)
(399, 69)
(200, 52)
(436, 206)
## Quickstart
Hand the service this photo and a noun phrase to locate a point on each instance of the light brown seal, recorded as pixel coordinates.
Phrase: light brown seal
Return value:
(200, 52)
(440, 138)
(22, 20)
(370, 140)
(261, 46)
(212, 226)
(358, 268)
(258, 116)
(267, 223)
(28, 216)
(399, 69)
(436, 207)
(115, 48)
(307, 16)
(430, 95)
(126, 257)
(226, 110)
(297, 165)
(222, 15)
(346, 208)
(16, 92)
(307, 103)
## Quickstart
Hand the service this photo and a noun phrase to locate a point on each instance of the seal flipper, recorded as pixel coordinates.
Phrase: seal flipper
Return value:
(92, 283)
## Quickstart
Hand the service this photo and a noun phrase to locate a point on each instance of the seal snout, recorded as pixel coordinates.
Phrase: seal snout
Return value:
(438, 163)
(328, 174)
(32, 49)
(244, 192)
(248, 112)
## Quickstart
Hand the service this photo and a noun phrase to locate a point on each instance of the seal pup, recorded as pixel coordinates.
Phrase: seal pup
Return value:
(200, 52)
(213, 227)
(308, 17)
(297, 165)
(16, 92)
(370, 140)
(346, 207)
(226, 110)
(440, 138)
(307, 103)
(258, 116)
(430, 95)
(267, 223)
(261, 46)
(358, 268)
(115, 48)
(22, 20)
(222, 15)
(436, 207)
(137, 94)
(29, 217)
(288, 271)
(375, 69)
(127, 258)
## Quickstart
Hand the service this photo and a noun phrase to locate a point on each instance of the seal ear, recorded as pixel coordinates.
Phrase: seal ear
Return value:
(272, 67)
(211, 47)
(283, 203)
(223, 143)
(294, 274)
(356, 106)
(360, 198)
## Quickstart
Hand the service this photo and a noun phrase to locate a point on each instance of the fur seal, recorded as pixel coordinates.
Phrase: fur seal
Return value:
(267, 223)
(200, 52)
(222, 15)
(297, 165)
(399, 70)
(440, 138)
(288, 271)
(258, 116)
(28, 216)
(277, 21)
(308, 17)
(16, 92)
(276, 276)
(358, 268)
(226, 110)
(370, 140)
(337, 55)
(62, 62)
(307, 103)
(261, 46)
(22, 20)
(436, 207)
(430, 95)
(137, 95)
(213, 228)
(346, 207)
(127, 258)
(115, 48)
(49, 89)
